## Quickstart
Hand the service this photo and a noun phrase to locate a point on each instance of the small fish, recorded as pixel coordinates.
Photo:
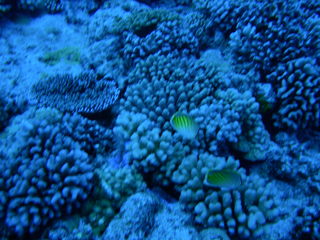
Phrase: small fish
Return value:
(184, 125)
(225, 178)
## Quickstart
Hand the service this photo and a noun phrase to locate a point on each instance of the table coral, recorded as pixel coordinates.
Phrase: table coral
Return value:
(83, 94)
(48, 5)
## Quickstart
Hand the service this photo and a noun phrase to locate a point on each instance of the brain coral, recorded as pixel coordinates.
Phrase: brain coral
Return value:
(83, 94)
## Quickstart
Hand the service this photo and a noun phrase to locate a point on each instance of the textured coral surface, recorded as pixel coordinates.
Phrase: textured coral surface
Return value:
(90, 147)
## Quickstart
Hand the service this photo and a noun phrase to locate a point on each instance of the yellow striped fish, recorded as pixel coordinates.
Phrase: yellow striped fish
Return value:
(184, 125)
(225, 178)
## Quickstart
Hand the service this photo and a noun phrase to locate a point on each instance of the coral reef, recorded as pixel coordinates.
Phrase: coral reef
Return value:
(151, 151)
(104, 58)
(269, 38)
(47, 5)
(297, 91)
(46, 174)
(307, 221)
(136, 218)
(83, 94)
(244, 212)
(79, 12)
(156, 31)
(9, 106)
(224, 114)
(82, 231)
(113, 187)
(237, 71)
(296, 162)
(50, 6)
(256, 28)
(47, 167)
(143, 216)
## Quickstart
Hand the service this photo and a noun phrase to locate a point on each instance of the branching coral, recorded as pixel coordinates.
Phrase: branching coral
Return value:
(46, 174)
(269, 37)
(156, 31)
(298, 94)
(148, 148)
(225, 115)
(243, 212)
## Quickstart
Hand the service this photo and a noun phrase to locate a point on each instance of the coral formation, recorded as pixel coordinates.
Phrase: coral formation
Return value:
(113, 187)
(9, 107)
(156, 31)
(143, 216)
(297, 85)
(296, 163)
(82, 231)
(224, 115)
(48, 5)
(135, 219)
(149, 151)
(46, 174)
(244, 212)
(238, 71)
(307, 221)
(83, 94)
(47, 166)
(269, 38)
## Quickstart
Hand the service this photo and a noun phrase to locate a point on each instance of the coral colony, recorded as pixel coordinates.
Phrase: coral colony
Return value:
(160, 119)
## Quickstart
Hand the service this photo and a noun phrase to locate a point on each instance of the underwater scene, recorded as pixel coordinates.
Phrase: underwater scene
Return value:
(159, 119)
